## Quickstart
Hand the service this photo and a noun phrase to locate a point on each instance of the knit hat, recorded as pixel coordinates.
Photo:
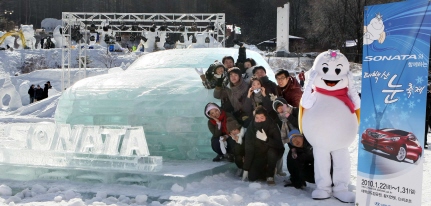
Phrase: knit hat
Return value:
(232, 124)
(293, 133)
(209, 74)
(257, 68)
(277, 102)
(210, 107)
(235, 70)
(216, 65)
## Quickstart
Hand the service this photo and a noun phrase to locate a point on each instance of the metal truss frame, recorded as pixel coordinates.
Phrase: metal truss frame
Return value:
(142, 21)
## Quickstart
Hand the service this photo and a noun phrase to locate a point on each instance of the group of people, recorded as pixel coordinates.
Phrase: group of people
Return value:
(255, 119)
(36, 93)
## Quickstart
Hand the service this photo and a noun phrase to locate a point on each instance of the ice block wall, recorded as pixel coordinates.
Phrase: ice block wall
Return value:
(160, 92)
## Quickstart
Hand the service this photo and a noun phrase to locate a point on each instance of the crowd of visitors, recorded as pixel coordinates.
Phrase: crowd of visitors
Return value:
(255, 120)
(36, 93)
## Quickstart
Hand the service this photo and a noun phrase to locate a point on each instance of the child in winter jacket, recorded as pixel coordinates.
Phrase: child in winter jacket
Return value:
(300, 161)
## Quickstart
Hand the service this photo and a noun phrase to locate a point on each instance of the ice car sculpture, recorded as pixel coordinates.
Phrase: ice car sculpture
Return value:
(161, 92)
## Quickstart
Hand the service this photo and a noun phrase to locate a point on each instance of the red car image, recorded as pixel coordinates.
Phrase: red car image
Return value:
(397, 143)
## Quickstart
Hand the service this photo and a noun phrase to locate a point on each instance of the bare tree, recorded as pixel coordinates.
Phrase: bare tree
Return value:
(107, 59)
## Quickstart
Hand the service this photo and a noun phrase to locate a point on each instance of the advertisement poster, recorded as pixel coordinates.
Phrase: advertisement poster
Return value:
(393, 103)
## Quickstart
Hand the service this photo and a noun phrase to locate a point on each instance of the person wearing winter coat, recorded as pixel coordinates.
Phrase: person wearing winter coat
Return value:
(263, 148)
(237, 132)
(45, 89)
(301, 77)
(216, 72)
(38, 93)
(257, 95)
(300, 161)
(211, 76)
(288, 87)
(249, 64)
(221, 142)
(270, 86)
(31, 93)
(287, 120)
(235, 92)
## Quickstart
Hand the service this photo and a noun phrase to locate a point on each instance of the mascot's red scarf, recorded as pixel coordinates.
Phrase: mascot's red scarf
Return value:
(223, 120)
(340, 94)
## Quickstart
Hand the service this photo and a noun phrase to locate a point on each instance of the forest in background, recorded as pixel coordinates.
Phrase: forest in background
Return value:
(323, 23)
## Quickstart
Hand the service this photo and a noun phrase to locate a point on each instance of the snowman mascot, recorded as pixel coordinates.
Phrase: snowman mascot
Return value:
(329, 120)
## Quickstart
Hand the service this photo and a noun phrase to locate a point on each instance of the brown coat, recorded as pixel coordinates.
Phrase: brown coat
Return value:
(292, 93)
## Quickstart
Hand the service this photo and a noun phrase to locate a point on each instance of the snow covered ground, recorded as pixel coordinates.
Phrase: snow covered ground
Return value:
(220, 189)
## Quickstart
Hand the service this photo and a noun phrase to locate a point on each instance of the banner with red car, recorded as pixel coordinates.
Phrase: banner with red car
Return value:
(396, 45)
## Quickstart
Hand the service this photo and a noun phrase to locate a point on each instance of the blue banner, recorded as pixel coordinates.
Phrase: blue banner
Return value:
(394, 86)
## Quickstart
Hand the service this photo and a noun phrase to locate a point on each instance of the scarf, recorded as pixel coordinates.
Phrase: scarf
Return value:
(286, 126)
(340, 94)
(237, 93)
(257, 99)
(223, 121)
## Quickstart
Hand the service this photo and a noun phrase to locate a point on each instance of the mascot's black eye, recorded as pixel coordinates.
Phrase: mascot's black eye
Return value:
(325, 69)
(337, 71)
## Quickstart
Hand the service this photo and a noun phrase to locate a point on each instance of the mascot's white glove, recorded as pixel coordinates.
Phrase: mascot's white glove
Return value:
(352, 93)
(245, 175)
(308, 97)
(261, 135)
(199, 71)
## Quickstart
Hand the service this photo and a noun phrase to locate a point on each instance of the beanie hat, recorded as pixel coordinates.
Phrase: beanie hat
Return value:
(232, 124)
(293, 133)
(259, 67)
(209, 74)
(217, 65)
(277, 102)
(210, 107)
(235, 70)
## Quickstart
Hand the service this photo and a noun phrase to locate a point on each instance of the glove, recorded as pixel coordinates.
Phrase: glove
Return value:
(199, 71)
(261, 135)
(294, 154)
(219, 82)
(272, 97)
(308, 97)
(353, 93)
(245, 175)
(312, 76)
(235, 41)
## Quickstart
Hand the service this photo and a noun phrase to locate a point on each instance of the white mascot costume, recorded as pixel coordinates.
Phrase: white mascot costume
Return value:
(329, 121)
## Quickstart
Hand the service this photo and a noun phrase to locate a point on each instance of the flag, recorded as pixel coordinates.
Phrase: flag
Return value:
(237, 30)
(229, 27)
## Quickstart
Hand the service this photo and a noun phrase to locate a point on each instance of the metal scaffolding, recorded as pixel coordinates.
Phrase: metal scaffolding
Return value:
(132, 23)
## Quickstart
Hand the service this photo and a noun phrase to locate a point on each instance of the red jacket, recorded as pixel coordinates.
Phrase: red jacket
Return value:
(292, 92)
(301, 76)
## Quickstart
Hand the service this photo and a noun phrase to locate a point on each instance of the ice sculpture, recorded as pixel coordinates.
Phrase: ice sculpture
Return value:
(58, 40)
(23, 92)
(161, 43)
(200, 41)
(50, 23)
(116, 148)
(9, 97)
(151, 40)
(161, 92)
(28, 32)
